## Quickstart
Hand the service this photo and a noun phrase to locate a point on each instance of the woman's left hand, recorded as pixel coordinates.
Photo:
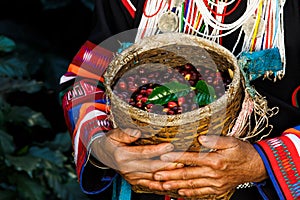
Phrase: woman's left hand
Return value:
(233, 162)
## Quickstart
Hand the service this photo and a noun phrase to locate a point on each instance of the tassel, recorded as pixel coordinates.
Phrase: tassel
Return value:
(254, 107)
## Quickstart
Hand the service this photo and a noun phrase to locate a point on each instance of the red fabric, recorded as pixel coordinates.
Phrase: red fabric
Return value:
(285, 162)
(129, 8)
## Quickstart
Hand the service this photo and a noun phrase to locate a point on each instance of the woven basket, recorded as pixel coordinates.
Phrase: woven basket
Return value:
(183, 129)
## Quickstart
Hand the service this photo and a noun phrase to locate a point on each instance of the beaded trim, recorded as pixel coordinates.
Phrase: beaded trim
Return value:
(245, 185)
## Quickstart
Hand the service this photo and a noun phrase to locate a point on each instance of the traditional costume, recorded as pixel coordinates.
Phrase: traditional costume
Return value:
(264, 31)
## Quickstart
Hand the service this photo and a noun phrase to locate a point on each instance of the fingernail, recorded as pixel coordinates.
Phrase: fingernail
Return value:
(203, 138)
(181, 193)
(134, 132)
(167, 186)
(158, 177)
(179, 165)
(169, 147)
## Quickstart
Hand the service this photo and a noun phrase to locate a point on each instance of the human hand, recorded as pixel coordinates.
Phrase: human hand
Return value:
(213, 173)
(135, 163)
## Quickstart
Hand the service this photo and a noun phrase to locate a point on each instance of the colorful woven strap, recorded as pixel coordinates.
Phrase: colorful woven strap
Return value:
(91, 61)
(282, 161)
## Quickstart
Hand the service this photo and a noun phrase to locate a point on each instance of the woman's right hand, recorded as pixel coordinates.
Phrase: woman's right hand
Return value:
(136, 164)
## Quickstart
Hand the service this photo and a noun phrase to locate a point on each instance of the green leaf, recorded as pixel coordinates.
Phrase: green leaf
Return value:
(67, 190)
(62, 142)
(205, 93)
(54, 180)
(168, 92)
(6, 45)
(54, 157)
(72, 191)
(4, 109)
(22, 151)
(29, 188)
(13, 67)
(25, 163)
(25, 114)
(7, 195)
(10, 85)
(6, 143)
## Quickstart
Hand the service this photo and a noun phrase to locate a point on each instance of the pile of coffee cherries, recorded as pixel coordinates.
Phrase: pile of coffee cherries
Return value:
(135, 86)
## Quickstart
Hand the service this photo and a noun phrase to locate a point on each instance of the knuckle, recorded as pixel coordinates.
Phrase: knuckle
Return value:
(218, 164)
(185, 175)
(118, 156)
(192, 193)
(129, 177)
(154, 186)
(219, 184)
(219, 191)
(215, 175)
(191, 184)
(140, 182)
(152, 167)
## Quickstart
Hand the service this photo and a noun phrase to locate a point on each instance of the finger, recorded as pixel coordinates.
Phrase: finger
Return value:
(143, 152)
(137, 176)
(152, 185)
(199, 192)
(190, 184)
(149, 166)
(191, 158)
(186, 173)
(126, 136)
(218, 142)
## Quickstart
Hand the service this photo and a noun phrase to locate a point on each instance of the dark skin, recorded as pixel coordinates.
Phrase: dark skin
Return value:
(135, 163)
(233, 162)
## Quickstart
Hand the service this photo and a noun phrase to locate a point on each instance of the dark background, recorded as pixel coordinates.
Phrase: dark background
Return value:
(35, 148)
(59, 29)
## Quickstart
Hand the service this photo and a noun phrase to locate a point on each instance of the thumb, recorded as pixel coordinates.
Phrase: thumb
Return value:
(217, 142)
(126, 136)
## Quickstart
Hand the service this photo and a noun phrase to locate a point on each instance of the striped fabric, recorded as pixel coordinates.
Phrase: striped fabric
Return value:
(84, 102)
(281, 156)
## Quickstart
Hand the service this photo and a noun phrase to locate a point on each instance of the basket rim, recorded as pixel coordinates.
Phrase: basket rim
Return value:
(158, 41)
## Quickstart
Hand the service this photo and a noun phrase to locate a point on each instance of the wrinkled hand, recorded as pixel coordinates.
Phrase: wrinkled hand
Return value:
(234, 162)
(135, 163)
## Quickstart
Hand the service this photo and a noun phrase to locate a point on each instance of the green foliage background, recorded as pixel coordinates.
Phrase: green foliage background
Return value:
(38, 39)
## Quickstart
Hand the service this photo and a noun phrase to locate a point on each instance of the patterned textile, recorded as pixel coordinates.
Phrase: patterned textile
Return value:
(84, 102)
(85, 110)
(281, 157)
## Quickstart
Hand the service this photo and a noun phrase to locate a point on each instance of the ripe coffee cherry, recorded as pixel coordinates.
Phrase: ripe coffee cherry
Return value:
(122, 85)
(139, 97)
(136, 87)
(149, 91)
(144, 99)
(181, 100)
(172, 104)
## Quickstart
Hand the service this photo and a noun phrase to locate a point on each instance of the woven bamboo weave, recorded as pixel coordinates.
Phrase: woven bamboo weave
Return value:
(183, 129)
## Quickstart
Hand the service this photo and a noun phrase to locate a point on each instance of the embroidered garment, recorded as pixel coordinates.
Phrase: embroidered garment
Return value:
(84, 101)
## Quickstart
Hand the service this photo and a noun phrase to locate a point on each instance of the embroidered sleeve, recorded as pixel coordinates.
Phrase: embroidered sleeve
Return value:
(85, 111)
(282, 161)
